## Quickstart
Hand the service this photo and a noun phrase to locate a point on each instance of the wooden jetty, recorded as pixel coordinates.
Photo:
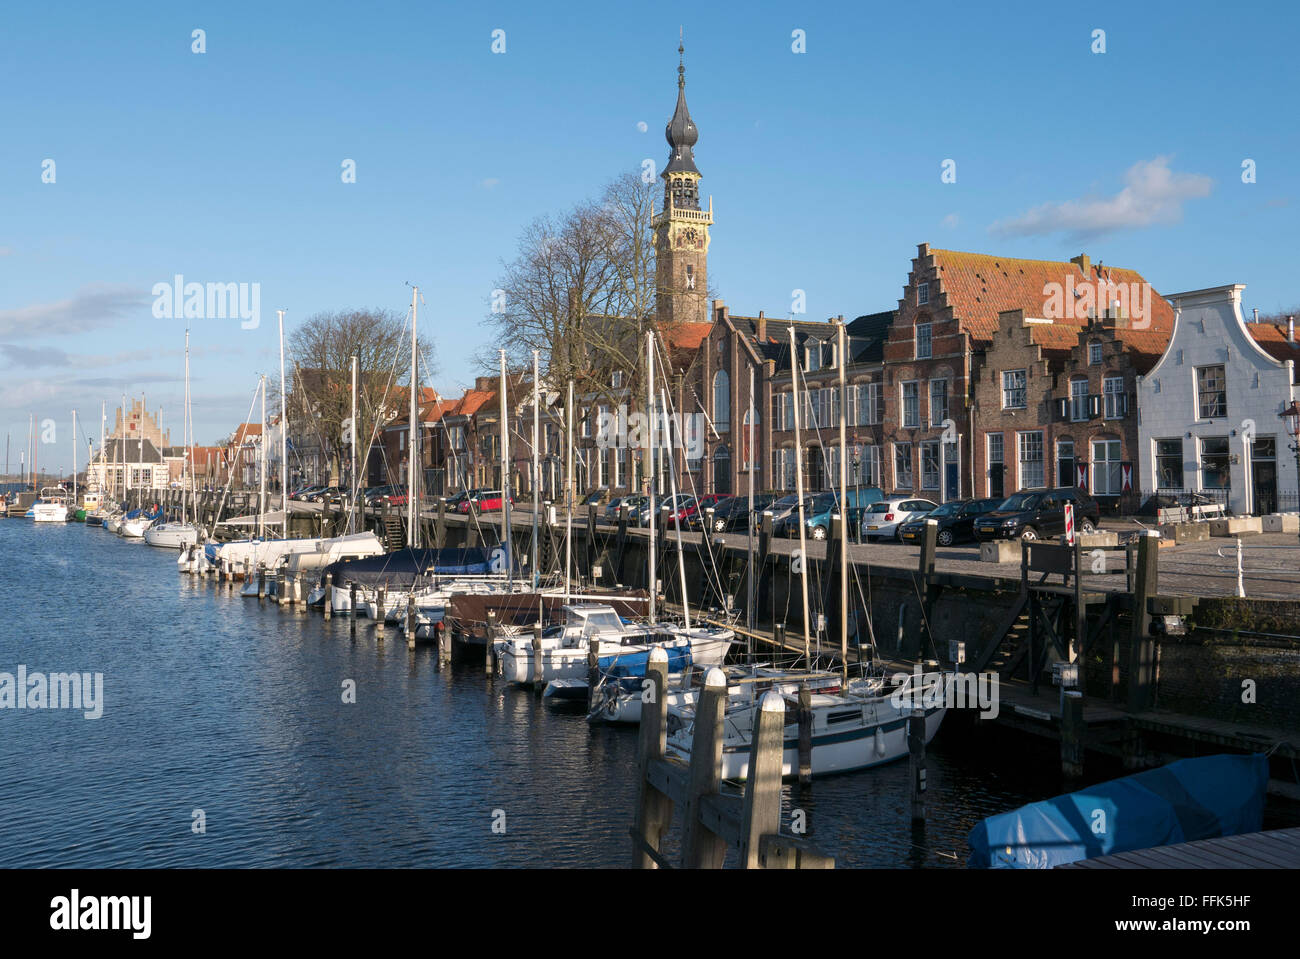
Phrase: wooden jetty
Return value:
(1272, 849)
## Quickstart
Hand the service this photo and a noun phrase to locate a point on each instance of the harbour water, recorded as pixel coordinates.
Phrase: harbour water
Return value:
(213, 703)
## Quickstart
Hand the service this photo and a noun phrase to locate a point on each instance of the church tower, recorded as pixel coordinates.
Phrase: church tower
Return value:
(681, 227)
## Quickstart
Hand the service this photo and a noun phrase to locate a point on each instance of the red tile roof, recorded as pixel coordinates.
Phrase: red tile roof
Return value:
(1272, 337)
(979, 286)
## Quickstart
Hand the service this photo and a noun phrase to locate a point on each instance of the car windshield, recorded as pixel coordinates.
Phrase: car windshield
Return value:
(786, 501)
(823, 502)
(947, 509)
(1019, 501)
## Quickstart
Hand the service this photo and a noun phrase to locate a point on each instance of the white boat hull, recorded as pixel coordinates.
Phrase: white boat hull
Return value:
(516, 658)
(171, 535)
(49, 513)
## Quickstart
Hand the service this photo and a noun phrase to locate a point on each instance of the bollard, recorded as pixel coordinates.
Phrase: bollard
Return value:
(539, 668)
(410, 621)
(805, 715)
(916, 762)
(380, 595)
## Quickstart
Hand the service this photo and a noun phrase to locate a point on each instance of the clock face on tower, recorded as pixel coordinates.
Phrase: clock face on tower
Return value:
(688, 238)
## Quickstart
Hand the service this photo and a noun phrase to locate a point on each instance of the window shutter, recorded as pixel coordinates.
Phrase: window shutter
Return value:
(1094, 406)
(1130, 402)
(1063, 409)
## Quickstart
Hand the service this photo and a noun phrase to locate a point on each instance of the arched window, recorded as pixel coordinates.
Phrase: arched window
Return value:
(721, 401)
(748, 446)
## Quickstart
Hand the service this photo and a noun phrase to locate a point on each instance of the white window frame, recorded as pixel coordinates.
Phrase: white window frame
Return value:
(911, 467)
(1021, 437)
(1119, 409)
(1078, 404)
(936, 421)
(922, 293)
(936, 448)
(929, 341)
(1023, 389)
(1094, 354)
(1114, 476)
(902, 405)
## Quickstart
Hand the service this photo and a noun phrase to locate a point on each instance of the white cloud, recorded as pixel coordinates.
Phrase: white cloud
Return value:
(89, 308)
(489, 183)
(950, 221)
(1153, 194)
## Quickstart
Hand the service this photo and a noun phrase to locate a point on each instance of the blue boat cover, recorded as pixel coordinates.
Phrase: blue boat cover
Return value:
(633, 665)
(1181, 802)
(405, 568)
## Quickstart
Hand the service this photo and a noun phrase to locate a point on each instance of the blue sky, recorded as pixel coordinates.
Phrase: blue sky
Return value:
(824, 166)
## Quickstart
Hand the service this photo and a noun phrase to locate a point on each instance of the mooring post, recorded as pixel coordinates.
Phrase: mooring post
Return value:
(440, 524)
(280, 588)
(352, 606)
(1146, 583)
(593, 671)
(701, 847)
(261, 581)
(761, 812)
(539, 668)
(329, 592)
(916, 761)
(654, 809)
(805, 717)
(411, 625)
(491, 628)
(380, 595)
(1072, 732)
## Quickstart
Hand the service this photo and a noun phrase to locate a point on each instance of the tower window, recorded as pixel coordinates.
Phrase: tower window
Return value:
(690, 277)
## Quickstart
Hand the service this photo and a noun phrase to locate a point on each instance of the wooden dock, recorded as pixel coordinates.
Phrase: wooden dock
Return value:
(1272, 849)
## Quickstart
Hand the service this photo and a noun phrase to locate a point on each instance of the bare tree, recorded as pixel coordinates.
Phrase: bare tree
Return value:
(319, 355)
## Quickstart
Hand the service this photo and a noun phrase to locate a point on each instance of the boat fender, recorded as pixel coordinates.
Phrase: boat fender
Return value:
(880, 741)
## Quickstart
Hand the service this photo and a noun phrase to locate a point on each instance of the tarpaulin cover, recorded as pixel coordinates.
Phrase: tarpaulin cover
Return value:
(406, 567)
(1184, 801)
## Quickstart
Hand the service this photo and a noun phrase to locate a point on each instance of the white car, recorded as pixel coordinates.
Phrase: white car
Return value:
(885, 518)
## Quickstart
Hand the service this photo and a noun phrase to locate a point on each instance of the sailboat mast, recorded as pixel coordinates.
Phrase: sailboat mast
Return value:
(185, 429)
(677, 513)
(798, 474)
(74, 459)
(413, 434)
(356, 486)
(650, 406)
(843, 359)
(261, 492)
(568, 498)
(749, 545)
(536, 472)
(284, 439)
(505, 478)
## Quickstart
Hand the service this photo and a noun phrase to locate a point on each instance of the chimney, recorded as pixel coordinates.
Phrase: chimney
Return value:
(1256, 312)
(1082, 262)
(762, 327)
(483, 383)
(1290, 329)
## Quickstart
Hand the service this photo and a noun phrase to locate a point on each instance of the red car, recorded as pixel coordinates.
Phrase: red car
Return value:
(488, 501)
(694, 513)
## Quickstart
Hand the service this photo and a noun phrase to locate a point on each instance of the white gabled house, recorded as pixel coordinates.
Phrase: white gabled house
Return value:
(1210, 409)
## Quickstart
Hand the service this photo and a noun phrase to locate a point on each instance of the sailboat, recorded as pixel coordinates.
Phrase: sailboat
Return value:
(185, 533)
(861, 725)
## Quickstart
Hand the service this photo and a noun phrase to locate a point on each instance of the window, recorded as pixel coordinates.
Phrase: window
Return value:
(785, 469)
(721, 401)
(903, 466)
(922, 294)
(1116, 399)
(1094, 354)
(812, 356)
(1214, 462)
(1212, 392)
(1169, 464)
(938, 402)
(1031, 460)
(690, 277)
(1014, 389)
(1106, 478)
(911, 405)
(864, 470)
(995, 450)
(923, 341)
(1065, 463)
(1078, 401)
(930, 465)
(868, 399)
(616, 379)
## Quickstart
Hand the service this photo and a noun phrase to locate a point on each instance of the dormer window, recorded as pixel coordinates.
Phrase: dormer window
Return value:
(922, 294)
(812, 356)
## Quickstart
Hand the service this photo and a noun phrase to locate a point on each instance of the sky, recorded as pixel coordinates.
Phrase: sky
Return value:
(825, 134)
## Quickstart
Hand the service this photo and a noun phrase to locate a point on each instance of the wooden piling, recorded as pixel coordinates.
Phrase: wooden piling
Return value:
(329, 590)
(702, 848)
(491, 640)
(1072, 733)
(805, 717)
(352, 606)
(539, 668)
(1141, 653)
(654, 808)
(411, 625)
(380, 595)
(762, 806)
(261, 581)
(593, 672)
(916, 762)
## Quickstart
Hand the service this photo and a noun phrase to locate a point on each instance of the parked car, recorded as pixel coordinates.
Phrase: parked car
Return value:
(326, 494)
(732, 514)
(1035, 514)
(956, 520)
(885, 517)
(487, 501)
(453, 502)
(676, 505)
(818, 512)
(693, 518)
(305, 492)
(595, 498)
(396, 495)
(781, 508)
(634, 505)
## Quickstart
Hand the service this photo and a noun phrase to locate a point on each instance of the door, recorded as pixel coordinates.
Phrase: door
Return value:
(1263, 471)
(951, 473)
(997, 468)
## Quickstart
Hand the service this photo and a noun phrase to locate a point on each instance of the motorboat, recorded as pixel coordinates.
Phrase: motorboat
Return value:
(52, 507)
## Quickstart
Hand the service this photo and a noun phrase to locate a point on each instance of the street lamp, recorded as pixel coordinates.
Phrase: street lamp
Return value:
(1291, 415)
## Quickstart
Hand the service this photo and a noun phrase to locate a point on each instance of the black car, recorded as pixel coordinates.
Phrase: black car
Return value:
(1038, 514)
(956, 521)
(732, 515)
